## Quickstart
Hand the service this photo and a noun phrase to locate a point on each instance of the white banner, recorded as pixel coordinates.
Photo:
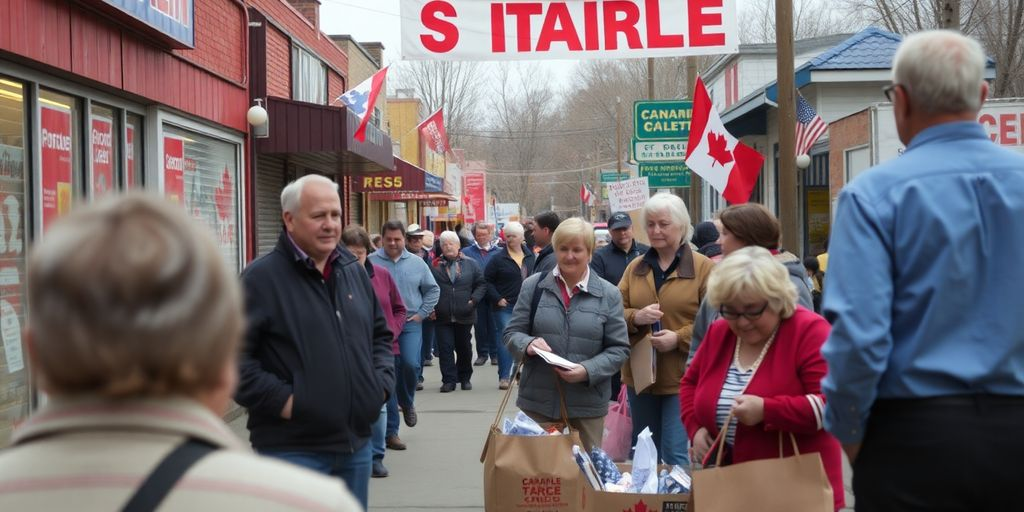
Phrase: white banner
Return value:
(629, 195)
(567, 29)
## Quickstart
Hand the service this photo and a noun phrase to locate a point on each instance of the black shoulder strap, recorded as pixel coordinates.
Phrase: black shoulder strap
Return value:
(159, 483)
(535, 300)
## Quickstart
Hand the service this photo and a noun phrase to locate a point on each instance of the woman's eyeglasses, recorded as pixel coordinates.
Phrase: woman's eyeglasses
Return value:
(729, 314)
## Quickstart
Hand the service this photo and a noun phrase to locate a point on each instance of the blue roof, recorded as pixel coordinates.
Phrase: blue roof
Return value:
(871, 48)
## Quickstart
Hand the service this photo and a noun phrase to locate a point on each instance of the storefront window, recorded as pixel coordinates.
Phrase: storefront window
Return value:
(133, 142)
(103, 150)
(14, 382)
(58, 136)
(201, 173)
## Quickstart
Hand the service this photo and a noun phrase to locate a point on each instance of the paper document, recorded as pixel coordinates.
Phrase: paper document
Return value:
(555, 359)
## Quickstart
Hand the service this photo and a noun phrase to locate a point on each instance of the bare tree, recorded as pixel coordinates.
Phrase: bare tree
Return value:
(811, 18)
(454, 86)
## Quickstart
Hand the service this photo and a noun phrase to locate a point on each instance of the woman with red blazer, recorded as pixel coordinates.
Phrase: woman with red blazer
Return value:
(761, 360)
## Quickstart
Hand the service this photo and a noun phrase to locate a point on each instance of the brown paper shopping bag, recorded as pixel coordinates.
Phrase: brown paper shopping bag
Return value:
(643, 361)
(530, 473)
(785, 484)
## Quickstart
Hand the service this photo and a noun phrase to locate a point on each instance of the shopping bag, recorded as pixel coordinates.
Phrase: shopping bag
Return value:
(618, 429)
(530, 473)
(643, 363)
(785, 484)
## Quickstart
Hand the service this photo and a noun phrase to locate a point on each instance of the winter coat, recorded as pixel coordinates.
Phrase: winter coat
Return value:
(504, 276)
(459, 299)
(326, 344)
(610, 262)
(680, 297)
(592, 332)
(546, 260)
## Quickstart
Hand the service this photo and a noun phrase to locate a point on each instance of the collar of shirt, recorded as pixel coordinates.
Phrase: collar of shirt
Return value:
(301, 255)
(580, 286)
(651, 258)
(948, 131)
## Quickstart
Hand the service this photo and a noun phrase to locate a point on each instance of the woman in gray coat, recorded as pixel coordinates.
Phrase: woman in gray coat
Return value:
(579, 317)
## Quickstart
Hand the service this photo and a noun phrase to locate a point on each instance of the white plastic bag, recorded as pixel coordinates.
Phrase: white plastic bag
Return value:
(645, 464)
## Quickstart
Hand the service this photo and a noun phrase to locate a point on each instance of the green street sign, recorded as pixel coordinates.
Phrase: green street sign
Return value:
(611, 175)
(666, 175)
(662, 119)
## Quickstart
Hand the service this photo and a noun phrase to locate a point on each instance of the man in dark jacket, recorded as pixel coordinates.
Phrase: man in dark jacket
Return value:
(487, 339)
(610, 261)
(463, 287)
(317, 363)
(545, 224)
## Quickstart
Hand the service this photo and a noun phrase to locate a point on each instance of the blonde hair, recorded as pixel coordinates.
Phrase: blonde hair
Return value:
(571, 228)
(752, 272)
(129, 297)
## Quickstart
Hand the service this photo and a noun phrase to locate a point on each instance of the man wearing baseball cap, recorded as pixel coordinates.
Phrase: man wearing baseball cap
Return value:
(610, 261)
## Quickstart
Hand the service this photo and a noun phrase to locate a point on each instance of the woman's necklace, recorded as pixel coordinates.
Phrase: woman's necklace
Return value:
(760, 357)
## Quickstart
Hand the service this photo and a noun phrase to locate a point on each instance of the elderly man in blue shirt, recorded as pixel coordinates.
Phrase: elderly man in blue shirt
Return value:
(926, 356)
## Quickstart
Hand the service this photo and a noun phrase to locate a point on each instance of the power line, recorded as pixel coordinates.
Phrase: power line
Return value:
(545, 172)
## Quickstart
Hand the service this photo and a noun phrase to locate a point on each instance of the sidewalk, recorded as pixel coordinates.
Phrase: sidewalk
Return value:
(441, 470)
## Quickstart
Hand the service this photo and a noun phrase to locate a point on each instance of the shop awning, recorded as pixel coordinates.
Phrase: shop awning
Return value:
(407, 178)
(410, 196)
(326, 131)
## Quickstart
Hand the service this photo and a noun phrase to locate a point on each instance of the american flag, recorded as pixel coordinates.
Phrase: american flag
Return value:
(809, 125)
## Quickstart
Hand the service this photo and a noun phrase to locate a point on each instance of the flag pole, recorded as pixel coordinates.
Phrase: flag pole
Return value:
(786, 171)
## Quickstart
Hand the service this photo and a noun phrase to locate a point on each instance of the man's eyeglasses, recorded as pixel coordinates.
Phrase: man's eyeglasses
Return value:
(729, 314)
(887, 90)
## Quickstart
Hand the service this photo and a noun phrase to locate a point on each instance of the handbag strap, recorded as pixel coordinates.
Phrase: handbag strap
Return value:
(792, 438)
(720, 439)
(168, 472)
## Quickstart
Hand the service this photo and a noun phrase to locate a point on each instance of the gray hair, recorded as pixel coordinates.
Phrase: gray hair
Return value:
(293, 191)
(676, 208)
(514, 228)
(138, 296)
(450, 236)
(942, 71)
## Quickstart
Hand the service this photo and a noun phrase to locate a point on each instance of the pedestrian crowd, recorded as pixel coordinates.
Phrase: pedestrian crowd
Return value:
(902, 345)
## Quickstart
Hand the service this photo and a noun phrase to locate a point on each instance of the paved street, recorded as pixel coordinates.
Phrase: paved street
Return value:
(441, 470)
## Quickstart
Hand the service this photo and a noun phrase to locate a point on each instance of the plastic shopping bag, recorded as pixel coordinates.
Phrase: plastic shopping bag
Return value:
(618, 429)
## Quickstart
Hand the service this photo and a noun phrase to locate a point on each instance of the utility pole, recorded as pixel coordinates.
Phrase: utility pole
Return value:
(949, 15)
(618, 138)
(787, 125)
(650, 78)
(695, 189)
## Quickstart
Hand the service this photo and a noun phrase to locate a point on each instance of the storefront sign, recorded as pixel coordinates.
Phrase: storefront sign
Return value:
(55, 138)
(170, 21)
(661, 120)
(406, 177)
(129, 142)
(569, 29)
(659, 151)
(666, 175)
(628, 195)
(426, 203)
(474, 196)
(174, 169)
(101, 138)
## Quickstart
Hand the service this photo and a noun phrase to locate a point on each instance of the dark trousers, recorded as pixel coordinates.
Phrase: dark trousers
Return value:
(941, 454)
(455, 351)
(484, 327)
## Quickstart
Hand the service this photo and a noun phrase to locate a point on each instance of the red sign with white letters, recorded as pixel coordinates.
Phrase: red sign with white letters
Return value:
(55, 150)
(568, 29)
(101, 136)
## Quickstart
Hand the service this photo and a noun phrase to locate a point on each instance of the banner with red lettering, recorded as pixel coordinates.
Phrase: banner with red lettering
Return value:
(101, 136)
(174, 169)
(55, 130)
(567, 29)
(474, 196)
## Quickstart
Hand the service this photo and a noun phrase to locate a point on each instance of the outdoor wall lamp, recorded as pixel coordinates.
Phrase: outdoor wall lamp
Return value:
(257, 118)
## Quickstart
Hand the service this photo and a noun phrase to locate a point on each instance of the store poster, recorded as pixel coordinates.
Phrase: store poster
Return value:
(174, 169)
(101, 135)
(12, 254)
(55, 127)
(129, 142)
(474, 199)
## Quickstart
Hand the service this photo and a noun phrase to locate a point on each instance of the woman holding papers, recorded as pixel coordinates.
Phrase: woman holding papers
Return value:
(661, 292)
(578, 325)
(762, 362)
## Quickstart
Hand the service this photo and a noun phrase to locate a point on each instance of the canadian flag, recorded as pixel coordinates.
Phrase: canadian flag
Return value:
(433, 132)
(361, 99)
(730, 166)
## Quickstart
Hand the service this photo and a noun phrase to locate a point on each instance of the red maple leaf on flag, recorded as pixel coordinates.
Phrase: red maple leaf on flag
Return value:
(717, 149)
(639, 507)
(222, 195)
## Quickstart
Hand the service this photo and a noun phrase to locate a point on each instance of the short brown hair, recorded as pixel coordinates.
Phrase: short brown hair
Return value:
(129, 297)
(752, 224)
(356, 236)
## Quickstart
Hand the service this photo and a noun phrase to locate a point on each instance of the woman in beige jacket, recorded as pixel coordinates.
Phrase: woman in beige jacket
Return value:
(661, 293)
(134, 325)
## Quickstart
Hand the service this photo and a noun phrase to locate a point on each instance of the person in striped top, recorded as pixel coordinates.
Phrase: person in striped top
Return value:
(762, 362)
